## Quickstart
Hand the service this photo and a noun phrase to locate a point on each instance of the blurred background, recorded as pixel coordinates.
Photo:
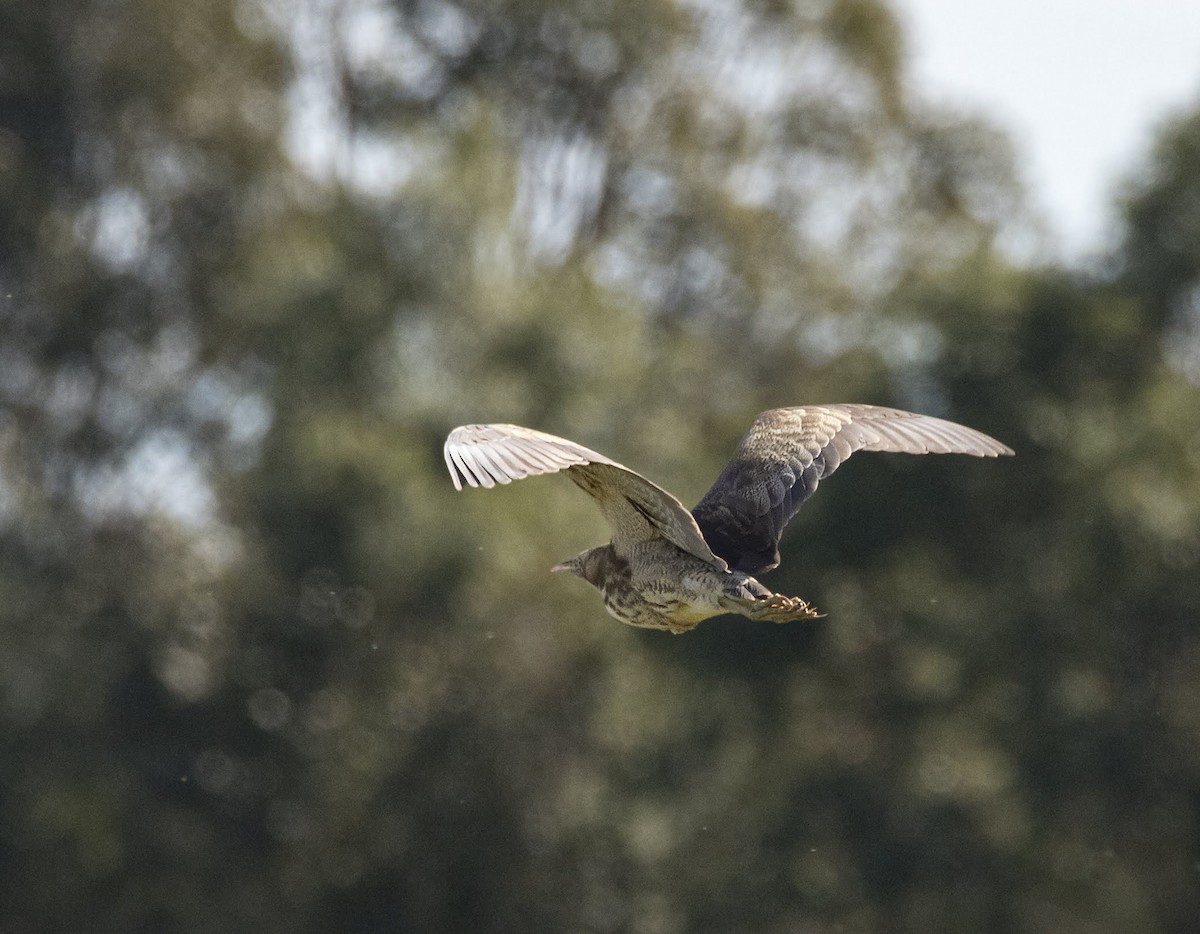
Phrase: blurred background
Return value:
(262, 669)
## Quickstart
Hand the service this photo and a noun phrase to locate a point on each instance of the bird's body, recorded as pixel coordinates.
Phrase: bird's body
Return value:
(660, 586)
(666, 568)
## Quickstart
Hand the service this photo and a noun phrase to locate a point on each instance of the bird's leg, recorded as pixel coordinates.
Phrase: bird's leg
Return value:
(773, 608)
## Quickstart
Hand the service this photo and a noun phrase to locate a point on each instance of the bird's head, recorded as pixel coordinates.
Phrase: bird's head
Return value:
(592, 565)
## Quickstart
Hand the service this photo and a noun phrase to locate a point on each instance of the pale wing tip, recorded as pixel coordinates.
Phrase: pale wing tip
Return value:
(450, 465)
(994, 448)
(463, 467)
(475, 461)
(461, 471)
(959, 439)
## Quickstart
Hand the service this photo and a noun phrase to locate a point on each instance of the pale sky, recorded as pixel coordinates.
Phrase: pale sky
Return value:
(1079, 85)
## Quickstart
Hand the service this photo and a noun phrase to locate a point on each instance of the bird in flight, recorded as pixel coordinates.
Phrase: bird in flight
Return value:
(667, 568)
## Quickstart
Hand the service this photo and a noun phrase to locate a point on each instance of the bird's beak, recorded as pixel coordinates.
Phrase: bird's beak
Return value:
(571, 565)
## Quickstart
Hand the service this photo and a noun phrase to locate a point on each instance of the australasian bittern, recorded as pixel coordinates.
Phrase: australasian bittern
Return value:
(666, 568)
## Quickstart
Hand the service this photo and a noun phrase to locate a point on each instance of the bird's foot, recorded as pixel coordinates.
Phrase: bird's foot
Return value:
(777, 608)
(782, 609)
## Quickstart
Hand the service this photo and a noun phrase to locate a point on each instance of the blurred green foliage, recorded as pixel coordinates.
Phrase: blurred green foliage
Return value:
(262, 669)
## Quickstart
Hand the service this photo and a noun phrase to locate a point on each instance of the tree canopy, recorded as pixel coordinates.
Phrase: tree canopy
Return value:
(261, 668)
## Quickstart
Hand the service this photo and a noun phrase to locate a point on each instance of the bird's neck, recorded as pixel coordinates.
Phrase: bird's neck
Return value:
(600, 564)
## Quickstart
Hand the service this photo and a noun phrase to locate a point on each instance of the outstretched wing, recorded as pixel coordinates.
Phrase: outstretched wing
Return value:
(788, 451)
(636, 509)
